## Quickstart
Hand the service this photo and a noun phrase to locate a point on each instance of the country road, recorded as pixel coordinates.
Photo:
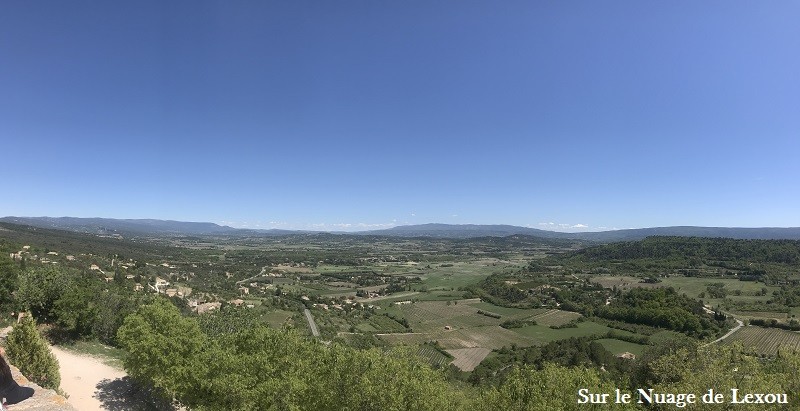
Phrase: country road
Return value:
(729, 333)
(260, 274)
(739, 325)
(311, 323)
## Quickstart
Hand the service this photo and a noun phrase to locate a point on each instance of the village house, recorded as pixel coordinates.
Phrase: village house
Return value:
(627, 356)
(206, 307)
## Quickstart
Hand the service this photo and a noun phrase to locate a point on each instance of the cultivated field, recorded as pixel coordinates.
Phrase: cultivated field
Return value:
(765, 341)
(615, 346)
(466, 359)
(433, 316)
(433, 356)
(540, 335)
(555, 318)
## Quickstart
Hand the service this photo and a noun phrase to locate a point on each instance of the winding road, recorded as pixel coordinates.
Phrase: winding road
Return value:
(739, 324)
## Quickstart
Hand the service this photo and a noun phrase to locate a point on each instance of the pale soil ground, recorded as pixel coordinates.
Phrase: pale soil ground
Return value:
(80, 377)
(93, 385)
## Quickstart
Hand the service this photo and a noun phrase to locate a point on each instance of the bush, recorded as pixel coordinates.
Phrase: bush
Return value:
(517, 323)
(28, 350)
(489, 314)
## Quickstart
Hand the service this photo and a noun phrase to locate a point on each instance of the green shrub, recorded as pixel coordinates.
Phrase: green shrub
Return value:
(28, 350)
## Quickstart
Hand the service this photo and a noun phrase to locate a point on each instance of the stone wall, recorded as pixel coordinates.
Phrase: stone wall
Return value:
(42, 400)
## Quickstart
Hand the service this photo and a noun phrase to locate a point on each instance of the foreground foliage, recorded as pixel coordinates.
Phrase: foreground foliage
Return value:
(262, 368)
(28, 350)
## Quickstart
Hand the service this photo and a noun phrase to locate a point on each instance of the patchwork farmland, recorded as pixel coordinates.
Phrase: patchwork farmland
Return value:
(470, 329)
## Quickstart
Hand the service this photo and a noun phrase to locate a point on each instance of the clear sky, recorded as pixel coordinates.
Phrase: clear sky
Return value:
(579, 115)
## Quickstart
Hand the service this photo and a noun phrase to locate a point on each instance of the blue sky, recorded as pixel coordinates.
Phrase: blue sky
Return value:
(361, 114)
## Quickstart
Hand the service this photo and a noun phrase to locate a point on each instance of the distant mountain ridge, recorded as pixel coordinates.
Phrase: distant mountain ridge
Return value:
(119, 226)
(464, 231)
(473, 230)
(435, 230)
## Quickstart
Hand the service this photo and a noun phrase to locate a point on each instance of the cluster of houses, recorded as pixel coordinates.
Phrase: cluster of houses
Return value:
(348, 302)
(201, 307)
(49, 258)
(159, 286)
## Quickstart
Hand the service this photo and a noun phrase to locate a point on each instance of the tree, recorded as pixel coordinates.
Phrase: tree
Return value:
(8, 283)
(40, 287)
(28, 350)
(166, 350)
(552, 388)
(721, 368)
(75, 310)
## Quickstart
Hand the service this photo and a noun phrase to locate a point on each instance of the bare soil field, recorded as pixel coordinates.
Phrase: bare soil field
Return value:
(466, 359)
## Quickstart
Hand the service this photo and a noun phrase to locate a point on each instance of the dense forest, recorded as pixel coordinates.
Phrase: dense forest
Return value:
(693, 249)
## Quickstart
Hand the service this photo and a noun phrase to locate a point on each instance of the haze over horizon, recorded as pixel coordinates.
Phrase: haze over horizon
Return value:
(359, 115)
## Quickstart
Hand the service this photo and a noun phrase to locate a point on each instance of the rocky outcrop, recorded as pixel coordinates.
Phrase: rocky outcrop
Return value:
(42, 399)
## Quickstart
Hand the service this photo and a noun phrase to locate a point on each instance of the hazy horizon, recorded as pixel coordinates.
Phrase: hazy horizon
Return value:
(362, 227)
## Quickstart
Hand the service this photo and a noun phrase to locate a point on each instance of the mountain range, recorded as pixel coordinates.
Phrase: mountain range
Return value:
(134, 227)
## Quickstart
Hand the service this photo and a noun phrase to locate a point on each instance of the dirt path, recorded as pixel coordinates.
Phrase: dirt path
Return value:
(82, 378)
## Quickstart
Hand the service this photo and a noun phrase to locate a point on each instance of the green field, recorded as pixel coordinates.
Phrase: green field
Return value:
(491, 337)
(277, 318)
(540, 334)
(508, 313)
(384, 324)
(615, 346)
(431, 316)
(555, 318)
(457, 325)
(457, 274)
